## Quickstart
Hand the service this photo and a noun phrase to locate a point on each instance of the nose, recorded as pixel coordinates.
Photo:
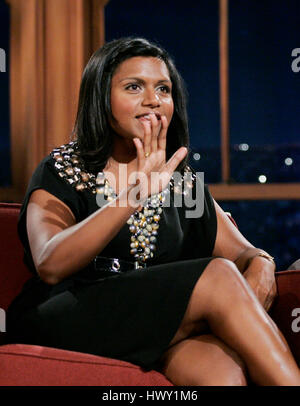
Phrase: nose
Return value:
(151, 98)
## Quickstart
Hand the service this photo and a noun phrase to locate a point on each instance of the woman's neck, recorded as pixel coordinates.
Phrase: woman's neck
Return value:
(114, 164)
(124, 150)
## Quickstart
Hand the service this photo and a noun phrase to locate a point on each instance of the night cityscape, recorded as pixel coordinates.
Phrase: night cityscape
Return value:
(273, 225)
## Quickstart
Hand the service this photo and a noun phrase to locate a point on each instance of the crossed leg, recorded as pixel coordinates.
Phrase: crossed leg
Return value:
(216, 364)
(244, 339)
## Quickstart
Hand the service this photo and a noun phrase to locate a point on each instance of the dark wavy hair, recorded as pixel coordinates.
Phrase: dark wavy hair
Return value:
(92, 130)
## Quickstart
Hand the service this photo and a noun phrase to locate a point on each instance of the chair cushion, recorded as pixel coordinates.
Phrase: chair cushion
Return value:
(30, 365)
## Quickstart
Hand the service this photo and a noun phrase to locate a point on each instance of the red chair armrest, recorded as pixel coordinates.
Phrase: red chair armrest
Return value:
(288, 299)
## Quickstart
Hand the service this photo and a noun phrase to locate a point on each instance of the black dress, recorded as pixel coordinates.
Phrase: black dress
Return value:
(131, 316)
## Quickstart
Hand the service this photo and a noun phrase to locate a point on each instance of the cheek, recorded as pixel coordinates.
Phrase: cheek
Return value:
(169, 110)
(122, 108)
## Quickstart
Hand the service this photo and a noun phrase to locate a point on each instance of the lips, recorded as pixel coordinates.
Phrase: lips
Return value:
(146, 116)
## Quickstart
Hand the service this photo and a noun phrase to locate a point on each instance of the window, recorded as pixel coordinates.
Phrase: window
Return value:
(264, 91)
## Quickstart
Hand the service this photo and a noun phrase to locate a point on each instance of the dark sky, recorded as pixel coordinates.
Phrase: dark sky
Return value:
(264, 91)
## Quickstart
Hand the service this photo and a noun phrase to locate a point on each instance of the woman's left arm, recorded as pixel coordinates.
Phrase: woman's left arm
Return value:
(259, 271)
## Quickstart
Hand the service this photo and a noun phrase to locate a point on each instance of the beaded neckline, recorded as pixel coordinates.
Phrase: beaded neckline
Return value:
(70, 167)
(143, 225)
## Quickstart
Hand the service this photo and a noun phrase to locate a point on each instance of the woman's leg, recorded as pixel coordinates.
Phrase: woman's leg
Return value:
(223, 299)
(216, 364)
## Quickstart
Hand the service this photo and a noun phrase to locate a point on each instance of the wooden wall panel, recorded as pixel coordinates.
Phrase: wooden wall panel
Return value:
(224, 89)
(256, 191)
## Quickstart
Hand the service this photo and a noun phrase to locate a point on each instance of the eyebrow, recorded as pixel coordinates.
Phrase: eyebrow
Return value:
(139, 80)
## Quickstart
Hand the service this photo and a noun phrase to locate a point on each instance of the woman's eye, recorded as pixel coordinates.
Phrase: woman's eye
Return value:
(132, 87)
(165, 89)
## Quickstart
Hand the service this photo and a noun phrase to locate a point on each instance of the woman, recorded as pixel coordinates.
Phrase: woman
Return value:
(119, 273)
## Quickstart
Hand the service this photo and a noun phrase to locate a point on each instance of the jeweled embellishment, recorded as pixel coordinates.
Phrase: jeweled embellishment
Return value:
(103, 188)
(143, 225)
(71, 167)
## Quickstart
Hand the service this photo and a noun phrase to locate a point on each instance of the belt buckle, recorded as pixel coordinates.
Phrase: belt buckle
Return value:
(115, 265)
(138, 265)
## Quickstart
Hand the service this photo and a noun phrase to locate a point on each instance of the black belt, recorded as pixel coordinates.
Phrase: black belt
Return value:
(115, 265)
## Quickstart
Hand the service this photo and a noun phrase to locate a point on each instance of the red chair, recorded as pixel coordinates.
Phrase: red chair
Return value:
(30, 365)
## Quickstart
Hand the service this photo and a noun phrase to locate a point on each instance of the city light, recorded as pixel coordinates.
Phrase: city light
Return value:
(288, 161)
(243, 147)
(262, 179)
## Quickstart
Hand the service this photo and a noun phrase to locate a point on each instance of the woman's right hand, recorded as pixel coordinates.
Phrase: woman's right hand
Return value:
(153, 172)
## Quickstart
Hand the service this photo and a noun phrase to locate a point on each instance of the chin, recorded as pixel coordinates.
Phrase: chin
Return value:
(130, 133)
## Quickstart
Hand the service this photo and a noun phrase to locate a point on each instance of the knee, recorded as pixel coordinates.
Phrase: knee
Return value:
(236, 379)
(220, 263)
(240, 380)
(230, 371)
(225, 283)
(222, 269)
(236, 376)
(230, 378)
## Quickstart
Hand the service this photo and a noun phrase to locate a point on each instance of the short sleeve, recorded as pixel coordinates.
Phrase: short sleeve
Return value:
(46, 177)
(199, 222)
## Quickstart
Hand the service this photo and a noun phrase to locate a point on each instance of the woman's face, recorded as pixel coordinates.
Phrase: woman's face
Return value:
(140, 85)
